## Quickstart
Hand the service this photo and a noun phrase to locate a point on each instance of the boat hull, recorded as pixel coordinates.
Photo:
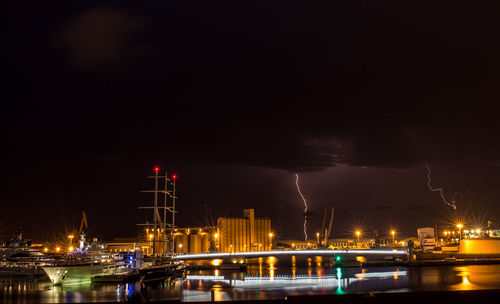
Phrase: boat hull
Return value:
(161, 272)
(73, 274)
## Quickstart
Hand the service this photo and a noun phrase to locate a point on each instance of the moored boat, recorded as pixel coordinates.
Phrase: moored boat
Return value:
(18, 258)
(116, 278)
(159, 272)
(68, 271)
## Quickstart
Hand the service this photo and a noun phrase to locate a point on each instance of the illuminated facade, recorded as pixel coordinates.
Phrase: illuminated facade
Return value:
(480, 246)
(186, 240)
(193, 240)
(244, 234)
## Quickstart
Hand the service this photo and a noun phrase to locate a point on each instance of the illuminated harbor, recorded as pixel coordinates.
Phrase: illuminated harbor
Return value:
(262, 283)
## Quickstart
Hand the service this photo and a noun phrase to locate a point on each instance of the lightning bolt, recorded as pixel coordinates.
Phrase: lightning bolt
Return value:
(305, 204)
(441, 190)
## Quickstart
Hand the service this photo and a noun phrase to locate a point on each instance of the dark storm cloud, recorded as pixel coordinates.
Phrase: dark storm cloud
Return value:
(256, 85)
(382, 207)
(98, 36)
(419, 208)
(293, 85)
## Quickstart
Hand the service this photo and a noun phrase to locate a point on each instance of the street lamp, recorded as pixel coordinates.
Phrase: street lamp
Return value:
(459, 226)
(216, 237)
(317, 237)
(393, 233)
(271, 240)
(358, 233)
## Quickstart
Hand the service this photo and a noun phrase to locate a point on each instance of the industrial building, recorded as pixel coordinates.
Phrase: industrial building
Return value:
(243, 234)
(186, 240)
(480, 246)
(231, 235)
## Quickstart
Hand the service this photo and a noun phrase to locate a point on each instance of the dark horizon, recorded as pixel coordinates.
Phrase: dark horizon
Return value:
(356, 97)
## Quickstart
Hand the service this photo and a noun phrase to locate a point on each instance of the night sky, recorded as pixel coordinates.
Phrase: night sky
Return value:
(354, 96)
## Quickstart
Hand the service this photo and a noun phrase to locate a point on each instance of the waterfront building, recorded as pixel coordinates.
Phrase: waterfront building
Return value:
(480, 246)
(186, 240)
(194, 240)
(243, 234)
(427, 239)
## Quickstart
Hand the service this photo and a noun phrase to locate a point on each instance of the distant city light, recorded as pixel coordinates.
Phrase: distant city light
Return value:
(216, 262)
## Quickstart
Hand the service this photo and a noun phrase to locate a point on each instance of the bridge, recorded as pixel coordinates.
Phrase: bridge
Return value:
(373, 253)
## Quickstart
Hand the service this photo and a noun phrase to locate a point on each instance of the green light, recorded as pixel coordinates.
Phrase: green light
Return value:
(338, 258)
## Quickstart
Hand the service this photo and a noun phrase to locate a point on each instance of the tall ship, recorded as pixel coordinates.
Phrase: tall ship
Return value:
(84, 261)
(161, 265)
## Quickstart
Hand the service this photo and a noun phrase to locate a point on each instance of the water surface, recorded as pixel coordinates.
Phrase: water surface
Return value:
(261, 283)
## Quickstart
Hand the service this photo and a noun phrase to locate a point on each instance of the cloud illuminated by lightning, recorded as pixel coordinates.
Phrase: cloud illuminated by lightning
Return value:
(305, 204)
(450, 203)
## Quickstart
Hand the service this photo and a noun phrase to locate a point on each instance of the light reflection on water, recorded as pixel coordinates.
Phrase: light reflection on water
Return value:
(277, 283)
(259, 282)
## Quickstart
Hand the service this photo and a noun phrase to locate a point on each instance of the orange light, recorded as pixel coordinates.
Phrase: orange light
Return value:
(216, 262)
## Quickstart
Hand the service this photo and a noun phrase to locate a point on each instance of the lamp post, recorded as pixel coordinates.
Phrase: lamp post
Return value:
(393, 233)
(459, 226)
(216, 237)
(358, 233)
(70, 245)
(317, 237)
(271, 241)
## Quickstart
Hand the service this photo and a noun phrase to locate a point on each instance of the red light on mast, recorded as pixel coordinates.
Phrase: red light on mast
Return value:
(174, 176)
(157, 169)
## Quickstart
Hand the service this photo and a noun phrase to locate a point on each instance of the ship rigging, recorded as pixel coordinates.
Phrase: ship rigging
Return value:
(161, 232)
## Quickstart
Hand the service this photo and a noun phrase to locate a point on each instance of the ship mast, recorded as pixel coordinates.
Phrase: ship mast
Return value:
(164, 228)
(160, 226)
(174, 177)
